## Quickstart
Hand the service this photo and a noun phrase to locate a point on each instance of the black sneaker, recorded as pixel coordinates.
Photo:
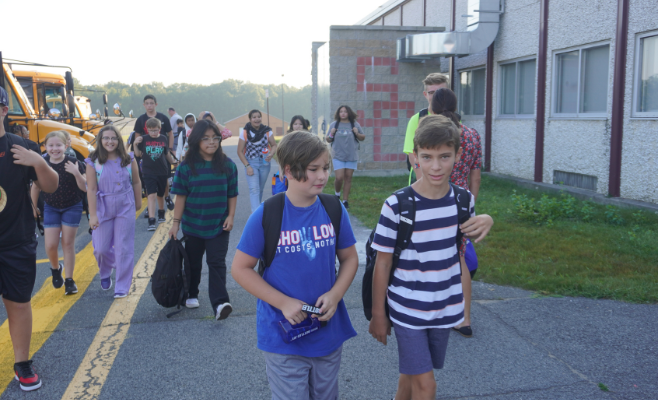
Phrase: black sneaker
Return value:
(346, 204)
(170, 203)
(25, 375)
(151, 224)
(161, 216)
(70, 287)
(57, 276)
(223, 311)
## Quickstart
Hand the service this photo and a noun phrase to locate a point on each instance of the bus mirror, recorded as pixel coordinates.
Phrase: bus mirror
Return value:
(68, 77)
(105, 98)
(117, 109)
(106, 113)
(130, 114)
(54, 113)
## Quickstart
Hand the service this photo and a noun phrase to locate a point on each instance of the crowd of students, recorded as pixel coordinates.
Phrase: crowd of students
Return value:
(426, 296)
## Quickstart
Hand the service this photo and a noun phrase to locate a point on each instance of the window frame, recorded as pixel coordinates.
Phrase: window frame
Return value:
(637, 76)
(460, 91)
(499, 97)
(554, 83)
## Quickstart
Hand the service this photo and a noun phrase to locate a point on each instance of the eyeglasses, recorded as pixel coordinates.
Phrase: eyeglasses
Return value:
(110, 139)
(212, 139)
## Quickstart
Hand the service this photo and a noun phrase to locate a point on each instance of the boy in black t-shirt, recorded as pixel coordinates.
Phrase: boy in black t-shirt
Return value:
(153, 150)
(150, 104)
(18, 245)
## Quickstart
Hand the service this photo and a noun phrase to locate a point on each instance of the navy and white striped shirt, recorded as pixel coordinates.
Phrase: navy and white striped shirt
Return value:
(426, 290)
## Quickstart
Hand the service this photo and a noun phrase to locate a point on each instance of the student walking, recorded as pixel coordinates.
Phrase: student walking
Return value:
(182, 147)
(279, 180)
(344, 135)
(114, 193)
(206, 189)
(466, 174)
(256, 147)
(18, 245)
(62, 209)
(302, 272)
(424, 296)
(155, 154)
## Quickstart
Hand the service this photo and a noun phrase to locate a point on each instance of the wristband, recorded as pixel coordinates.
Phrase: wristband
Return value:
(176, 220)
(247, 166)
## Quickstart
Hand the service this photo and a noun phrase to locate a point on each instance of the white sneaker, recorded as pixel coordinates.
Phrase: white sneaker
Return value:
(192, 303)
(223, 310)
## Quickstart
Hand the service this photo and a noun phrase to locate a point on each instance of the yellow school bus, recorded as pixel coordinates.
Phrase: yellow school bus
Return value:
(40, 124)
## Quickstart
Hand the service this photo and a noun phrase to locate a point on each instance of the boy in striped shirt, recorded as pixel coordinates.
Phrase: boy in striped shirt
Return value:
(425, 294)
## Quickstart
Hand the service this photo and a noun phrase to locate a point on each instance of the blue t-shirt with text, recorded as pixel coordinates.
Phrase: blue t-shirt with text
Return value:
(304, 269)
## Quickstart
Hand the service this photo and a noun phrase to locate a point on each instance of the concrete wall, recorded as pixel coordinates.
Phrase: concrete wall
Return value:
(384, 93)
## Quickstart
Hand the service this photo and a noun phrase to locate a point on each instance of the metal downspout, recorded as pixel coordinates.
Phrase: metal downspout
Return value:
(488, 108)
(451, 65)
(541, 91)
(618, 91)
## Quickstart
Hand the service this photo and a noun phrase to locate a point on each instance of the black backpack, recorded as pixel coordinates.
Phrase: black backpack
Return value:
(170, 282)
(354, 134)
(273, 217)
(407, 207)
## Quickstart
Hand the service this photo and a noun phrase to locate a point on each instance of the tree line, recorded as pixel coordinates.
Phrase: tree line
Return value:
(226, 100)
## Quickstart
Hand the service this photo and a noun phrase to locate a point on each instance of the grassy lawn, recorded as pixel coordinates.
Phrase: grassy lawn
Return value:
(563, 246)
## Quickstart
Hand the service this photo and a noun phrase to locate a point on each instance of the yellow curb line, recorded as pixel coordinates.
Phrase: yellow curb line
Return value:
(49, 306)
(97, 363)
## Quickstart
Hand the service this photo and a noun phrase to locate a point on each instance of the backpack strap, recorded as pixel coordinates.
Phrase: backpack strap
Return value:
(423, 113)
(334, 208)
(463, 201)
(272, 219)
(407, 209)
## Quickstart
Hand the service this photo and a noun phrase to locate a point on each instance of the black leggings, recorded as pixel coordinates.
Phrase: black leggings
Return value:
(215, 250)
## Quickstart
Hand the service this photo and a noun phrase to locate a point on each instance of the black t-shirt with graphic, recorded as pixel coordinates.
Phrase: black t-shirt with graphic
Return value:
(67, 194)
(16, 219)
(154, 155)
(140, 125)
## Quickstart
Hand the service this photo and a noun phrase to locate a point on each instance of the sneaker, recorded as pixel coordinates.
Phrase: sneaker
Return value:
(223, 310)
(120, 295)
(151, 224)
(161, 216)
(192, 303)
(170, 203)
(106, 283)
(25, 375)
(70, 287)
(346, 204)
(57, 276)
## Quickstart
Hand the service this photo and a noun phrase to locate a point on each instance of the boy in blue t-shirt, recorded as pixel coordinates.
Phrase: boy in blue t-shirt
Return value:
(425, 296)
(302, 272)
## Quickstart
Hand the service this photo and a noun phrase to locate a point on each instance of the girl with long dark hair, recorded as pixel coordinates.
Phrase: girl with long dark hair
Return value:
(206, 189)
(344, 135)
(114, 192)
(255, 149)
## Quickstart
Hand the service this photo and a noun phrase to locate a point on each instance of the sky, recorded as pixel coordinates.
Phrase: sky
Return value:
(190, 41)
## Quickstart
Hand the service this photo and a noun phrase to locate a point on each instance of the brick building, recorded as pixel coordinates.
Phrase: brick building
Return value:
(237, 123)
(560, 91)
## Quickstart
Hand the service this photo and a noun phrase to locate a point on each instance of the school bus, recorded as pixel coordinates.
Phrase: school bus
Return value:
(47, 91)
(40, 124)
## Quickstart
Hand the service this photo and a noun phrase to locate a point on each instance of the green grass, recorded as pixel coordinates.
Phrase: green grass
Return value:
(613, 255)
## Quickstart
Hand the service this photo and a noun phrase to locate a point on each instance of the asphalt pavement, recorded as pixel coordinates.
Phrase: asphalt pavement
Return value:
(525, 346)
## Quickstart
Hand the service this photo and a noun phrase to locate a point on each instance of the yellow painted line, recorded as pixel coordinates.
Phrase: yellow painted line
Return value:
(95, 367)
(49, 306)
(45, 260)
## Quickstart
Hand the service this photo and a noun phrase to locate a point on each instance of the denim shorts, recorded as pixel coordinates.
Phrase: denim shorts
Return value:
(55, 217)
(344, 164)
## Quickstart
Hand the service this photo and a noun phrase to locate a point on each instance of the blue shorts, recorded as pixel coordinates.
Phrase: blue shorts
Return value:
(55, 218)
(421, 350)
(344, 164)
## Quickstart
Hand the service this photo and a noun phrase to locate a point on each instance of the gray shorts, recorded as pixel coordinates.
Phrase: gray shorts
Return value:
(421, 350)
(294, 377)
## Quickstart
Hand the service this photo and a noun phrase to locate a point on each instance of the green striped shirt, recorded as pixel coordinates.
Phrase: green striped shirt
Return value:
(207, 194)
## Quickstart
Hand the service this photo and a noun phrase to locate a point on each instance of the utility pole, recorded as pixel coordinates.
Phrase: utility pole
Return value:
(283, 116)
(267, 99)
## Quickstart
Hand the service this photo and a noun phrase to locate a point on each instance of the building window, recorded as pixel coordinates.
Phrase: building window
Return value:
(471, 92)
(581, 82)
(517, 88)
(646, 82)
